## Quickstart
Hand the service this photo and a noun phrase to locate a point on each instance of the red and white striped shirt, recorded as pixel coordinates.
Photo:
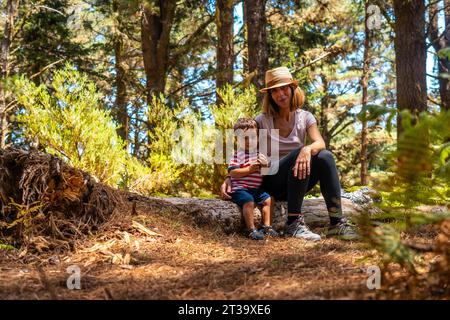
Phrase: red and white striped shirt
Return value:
(242, 159)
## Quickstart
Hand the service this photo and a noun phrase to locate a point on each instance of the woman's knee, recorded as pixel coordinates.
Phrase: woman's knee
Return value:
(293, 155)
(325, 156)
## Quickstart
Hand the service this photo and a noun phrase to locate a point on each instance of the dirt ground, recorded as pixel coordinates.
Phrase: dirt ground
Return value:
(173, 259)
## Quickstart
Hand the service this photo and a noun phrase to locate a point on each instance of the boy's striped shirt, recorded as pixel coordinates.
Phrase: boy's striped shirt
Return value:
(242, 159)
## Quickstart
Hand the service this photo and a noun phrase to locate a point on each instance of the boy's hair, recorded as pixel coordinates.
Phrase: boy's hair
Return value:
(245, 124)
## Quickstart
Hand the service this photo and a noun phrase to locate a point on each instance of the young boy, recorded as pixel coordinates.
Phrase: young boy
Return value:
(246, 179)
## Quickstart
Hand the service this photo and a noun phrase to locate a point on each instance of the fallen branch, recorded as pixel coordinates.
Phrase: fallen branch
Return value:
(145, 230)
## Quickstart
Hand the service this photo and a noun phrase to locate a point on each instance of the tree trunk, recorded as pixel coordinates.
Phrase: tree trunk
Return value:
(244, 52)
(257, 41)
(225, 60)
(446, 62)
(410, 57)
(11, 8)
(121, 95)
(121, 86)
(225, 215)
(225, 50)
(323, 119)
(364, 85)
(440, 42)
(155, 37)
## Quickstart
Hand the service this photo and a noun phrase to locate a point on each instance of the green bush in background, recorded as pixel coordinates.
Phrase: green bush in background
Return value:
(67, 120)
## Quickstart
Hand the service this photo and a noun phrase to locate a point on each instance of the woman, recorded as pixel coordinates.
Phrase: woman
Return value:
(301, 166)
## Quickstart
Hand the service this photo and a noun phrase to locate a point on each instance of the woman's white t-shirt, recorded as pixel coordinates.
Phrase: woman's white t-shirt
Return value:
(296, 139)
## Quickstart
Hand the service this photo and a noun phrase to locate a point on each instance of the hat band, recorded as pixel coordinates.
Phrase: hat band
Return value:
(277, 81)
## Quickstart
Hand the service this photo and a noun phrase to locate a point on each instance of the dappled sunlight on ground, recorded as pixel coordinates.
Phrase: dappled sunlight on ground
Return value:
(173, 259)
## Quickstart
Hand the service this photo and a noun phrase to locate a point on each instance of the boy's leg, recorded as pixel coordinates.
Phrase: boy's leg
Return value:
(247, 212)
(266, 211)
(267, 215)
(245, 201)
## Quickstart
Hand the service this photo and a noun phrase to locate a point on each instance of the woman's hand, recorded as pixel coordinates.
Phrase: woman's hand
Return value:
(302, 166)
(262, 159)
(225, 189)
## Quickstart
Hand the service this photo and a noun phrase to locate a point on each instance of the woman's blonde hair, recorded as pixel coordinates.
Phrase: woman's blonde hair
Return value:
(270, 107)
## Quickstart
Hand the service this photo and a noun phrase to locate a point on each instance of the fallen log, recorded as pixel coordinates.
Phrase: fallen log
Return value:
(47, 204)
(226, 215)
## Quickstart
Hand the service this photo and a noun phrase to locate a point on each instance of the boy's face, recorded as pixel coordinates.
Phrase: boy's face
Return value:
(249, 140)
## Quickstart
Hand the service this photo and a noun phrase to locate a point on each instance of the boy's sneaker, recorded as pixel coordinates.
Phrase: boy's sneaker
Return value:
(255, 234)
(298, 229)
(269, 231)
(343, 230)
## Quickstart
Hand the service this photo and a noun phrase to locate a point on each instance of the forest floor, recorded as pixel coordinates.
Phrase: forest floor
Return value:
(174, 259)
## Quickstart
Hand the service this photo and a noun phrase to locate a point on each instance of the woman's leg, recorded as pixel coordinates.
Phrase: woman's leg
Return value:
(284, 186)
(324, 171)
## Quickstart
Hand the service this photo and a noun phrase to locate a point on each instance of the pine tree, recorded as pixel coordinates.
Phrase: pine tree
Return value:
(410, 68)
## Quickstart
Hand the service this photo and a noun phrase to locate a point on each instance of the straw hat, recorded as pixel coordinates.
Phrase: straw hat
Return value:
(278, 77)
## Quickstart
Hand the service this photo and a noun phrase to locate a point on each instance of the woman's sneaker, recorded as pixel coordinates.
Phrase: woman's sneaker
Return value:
(269, 231)
(255, 234)
(344, 230)
(298, 229)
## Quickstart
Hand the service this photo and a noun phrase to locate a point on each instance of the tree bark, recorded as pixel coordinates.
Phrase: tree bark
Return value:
(121, 86)
(323, 119)
(410, 57)
(225, 60)
(121, 95)
(225, 215)
(155, 37)
(447, 61)
(244, 52)
(257, 41)
(440, 42)
(225, 48)
(364, 86)
(11, 7)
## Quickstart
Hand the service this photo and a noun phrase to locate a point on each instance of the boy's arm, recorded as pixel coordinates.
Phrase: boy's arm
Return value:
(243, 172)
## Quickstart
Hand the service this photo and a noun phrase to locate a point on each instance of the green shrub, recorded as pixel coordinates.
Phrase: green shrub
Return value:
(68, 120)
(420, 171)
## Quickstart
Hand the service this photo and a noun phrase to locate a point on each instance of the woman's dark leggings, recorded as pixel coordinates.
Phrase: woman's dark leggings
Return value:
(284, 186)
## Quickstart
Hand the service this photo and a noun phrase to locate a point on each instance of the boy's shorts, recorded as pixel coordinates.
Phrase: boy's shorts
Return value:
(242, 196)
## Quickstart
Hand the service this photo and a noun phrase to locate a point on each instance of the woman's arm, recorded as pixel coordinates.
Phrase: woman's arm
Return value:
(303, 163)
(317, 141)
